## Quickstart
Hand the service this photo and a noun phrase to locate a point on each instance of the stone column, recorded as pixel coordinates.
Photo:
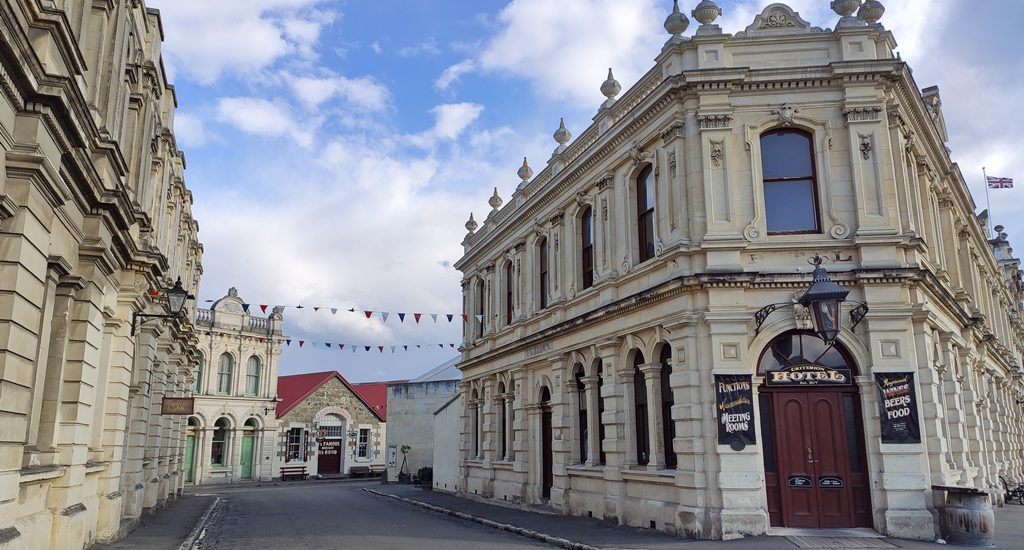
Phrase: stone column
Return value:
(139, 417)
(616, 445)
(593, 419)
(507, 399)
(533, 451)
(652, 379)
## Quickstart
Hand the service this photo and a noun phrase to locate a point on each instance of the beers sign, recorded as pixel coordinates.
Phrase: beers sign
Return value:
(898, 407)
(808, 375)
(735, 405)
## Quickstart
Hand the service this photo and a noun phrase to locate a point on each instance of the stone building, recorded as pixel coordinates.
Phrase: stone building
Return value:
(620, 290)
(411, 408)
(95, 219)
(231, 437)
(327, 426)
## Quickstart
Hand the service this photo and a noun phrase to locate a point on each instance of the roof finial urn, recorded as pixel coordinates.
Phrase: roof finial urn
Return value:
(562, 135)
(871, 11)
(495, 200)
(844, 8)
(706, 12)
(525, 172)
(611, 87)
(676, 22)
(471, 224)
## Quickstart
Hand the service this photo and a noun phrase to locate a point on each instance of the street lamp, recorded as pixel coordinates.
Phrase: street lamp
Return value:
(824, 299)
(176, 297)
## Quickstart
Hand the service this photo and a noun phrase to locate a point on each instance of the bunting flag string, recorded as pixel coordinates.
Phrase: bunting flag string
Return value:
(382, 316)
(315, 344)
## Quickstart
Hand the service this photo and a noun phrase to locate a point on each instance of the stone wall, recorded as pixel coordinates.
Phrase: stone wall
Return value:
(411, 410)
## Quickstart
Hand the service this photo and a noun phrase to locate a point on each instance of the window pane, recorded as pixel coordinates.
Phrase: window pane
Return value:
(790, 206)
(786, 154)
(586, 228)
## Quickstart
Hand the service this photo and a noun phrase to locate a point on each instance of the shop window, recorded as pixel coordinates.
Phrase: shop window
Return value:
(219, 443)
(645, 214)
(587, 248)
(643, 440)
(363, 449)
(296, 448)
(790, 187)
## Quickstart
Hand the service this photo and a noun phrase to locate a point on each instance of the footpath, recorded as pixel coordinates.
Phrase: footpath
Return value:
(169, 528)
(579, 533)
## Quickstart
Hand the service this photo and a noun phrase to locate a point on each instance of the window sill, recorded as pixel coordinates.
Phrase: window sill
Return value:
(660, 476)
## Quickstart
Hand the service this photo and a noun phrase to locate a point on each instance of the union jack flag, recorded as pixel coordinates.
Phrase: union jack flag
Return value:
(999, 183)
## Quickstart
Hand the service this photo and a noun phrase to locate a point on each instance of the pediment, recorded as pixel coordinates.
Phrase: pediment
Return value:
(778, 19)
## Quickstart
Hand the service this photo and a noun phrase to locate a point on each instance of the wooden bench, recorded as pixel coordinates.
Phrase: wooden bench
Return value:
(371, 470)
(293, 471)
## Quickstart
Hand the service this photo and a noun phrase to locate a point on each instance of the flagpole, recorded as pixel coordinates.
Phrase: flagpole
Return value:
(988, 205)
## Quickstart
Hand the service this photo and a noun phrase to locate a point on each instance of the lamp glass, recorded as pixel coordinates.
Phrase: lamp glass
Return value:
(176, 297)
(825, 314)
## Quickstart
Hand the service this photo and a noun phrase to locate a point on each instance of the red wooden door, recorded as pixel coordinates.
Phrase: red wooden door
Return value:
(813, 459)
(328, 459)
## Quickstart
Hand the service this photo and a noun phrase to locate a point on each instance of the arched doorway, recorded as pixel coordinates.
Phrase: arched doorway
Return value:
(331, 440)
(190, 449)
(813, 435)
(547, 456)
(248, 443)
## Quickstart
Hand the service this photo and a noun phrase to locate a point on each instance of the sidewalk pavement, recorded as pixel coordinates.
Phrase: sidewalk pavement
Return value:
(595, 533)
(168, 527)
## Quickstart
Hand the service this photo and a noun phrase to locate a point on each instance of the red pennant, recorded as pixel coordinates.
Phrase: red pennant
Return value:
(263, 307)
(417, 317)
(368, 314)
(154, 293)
(465, 318)
(261, 340)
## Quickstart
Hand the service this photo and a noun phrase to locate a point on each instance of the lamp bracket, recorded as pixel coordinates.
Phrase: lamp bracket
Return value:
(763, 313)
(857, 314)
(145, 317)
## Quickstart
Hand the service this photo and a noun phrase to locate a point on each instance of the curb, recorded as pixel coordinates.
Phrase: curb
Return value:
(200, 529)
(528, 533)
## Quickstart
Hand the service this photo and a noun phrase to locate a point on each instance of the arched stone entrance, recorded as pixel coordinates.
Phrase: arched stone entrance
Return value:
(331, 444)
(816, 473)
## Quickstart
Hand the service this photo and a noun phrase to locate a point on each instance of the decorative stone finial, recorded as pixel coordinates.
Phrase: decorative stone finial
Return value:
(611, 87)
(998, 229)
(844, 8)
(525, 172)
(676, 22)
(495, 201)
(871, 11)
(562, 135)
(471, 224)
(706, 12)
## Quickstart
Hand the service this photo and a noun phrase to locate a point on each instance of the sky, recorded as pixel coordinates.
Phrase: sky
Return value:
(336, 148)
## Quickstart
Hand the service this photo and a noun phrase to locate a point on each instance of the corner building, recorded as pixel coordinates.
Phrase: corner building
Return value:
(94, 214)
(624, 277)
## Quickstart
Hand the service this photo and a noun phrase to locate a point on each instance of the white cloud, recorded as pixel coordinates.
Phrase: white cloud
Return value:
(453, 73)
(237, 36)
(450, 120)
(363, 92)
(427, 47)
(189, 130)
(263, 118)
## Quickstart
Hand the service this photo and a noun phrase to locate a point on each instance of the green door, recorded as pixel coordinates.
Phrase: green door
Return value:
(190, 456)
(246, 464)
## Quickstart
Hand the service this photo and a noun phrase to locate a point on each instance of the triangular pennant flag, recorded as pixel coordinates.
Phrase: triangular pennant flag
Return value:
(418, 346)
(368, 314)
(352, 310)
(261, 340)
(406, 348)
(480, 318)
(401, 317)
(316, 308)
(298, 306)
(434, 316)
(245, 308)
(465, 318)
(263, 307)
(449, 316)
(301, 342)
(334, 311)
(384, 316)
(417, 317)
(328, 344)
(381, 348)
(288, 342)
(341, 347)
(367, 348)
(392, 349)
(154, 293)
(452, 345)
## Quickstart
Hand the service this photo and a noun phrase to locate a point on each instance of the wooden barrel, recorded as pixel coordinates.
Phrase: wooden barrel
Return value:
(968, 518)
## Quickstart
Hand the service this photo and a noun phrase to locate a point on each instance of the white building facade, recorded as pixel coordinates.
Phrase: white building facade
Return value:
(619, 290)
(231, 436)
(411, 409)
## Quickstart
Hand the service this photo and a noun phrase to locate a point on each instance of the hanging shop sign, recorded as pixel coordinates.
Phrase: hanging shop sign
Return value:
(897, 402)
(808, 375)
(177, 405)
(734, 401)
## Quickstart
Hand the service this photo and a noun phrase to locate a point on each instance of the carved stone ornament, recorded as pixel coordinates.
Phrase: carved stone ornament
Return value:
(776, 19)
(638, 155)
(862, 114)
(839, 231)
(605, 181)
(716, 153)
(786, 114)
(865, 147)
(751, 232)
(714, 121)
(674, 130)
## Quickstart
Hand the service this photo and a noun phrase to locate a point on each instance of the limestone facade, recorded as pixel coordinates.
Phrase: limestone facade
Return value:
(94, 215)
(617, 282)
(232, 435)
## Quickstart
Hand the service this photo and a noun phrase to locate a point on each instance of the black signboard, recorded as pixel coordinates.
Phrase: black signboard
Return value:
(830, 482)
(800, 481)
(808, 375)
(734, 401)
(897, 402)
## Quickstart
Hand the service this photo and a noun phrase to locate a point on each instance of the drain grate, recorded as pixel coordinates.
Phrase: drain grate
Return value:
(839, 542)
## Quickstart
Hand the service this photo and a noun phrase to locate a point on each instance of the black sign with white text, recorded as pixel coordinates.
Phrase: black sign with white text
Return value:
(734, 401)
(897, 403)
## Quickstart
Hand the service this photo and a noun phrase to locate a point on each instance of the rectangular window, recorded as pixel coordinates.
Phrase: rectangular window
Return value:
(363, 450)
(336, 432)
(295, 449)
(645, 214)
(508, 293)
(787, 169)
(587, 247)
(542, 252)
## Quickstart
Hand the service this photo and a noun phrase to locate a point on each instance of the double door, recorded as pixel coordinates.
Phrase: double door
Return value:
(822, 480)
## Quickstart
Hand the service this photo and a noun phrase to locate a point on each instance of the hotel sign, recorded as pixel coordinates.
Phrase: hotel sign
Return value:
(808, 375)
(177, 405)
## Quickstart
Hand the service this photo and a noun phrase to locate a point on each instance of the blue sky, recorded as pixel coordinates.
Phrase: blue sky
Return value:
(335, 148)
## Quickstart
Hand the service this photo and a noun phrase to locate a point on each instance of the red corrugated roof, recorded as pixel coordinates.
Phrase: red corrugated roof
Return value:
(291, 390)
(376, 394)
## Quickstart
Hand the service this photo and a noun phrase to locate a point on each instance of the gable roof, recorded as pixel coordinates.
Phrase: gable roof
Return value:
(376, 394)
(293, 389)
(444, 371)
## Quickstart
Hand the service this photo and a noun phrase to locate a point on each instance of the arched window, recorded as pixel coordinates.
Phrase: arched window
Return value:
(224, 371)
(252, 376)
(542, 272)
(645, 213)
(509, 282)
(581, 397)
(219, 444)
(502, 431)
(643, 440)
(198, 387)
(480, 309)
(587, 247)
(600, 413)
(790, 189)
(476, 423)
(668, 431)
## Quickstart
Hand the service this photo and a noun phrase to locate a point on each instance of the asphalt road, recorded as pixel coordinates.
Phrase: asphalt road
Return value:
(339, 515)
